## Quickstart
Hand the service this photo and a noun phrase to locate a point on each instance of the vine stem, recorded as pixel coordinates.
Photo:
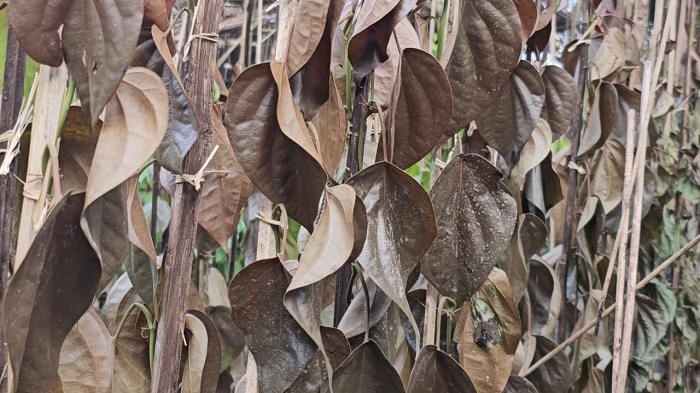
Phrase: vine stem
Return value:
(588, 326)
(151, 330)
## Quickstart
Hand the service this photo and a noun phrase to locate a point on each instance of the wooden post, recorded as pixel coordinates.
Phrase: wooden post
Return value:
(183, 228)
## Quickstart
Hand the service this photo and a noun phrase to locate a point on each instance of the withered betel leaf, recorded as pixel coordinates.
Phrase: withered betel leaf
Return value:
(518, 384)
(527, 241)
(376, 20)
(280, 346)
(281, 169)
(310, 73)
(99, 38)
(366, 370)
(610, 55)
(486, 51)
(476, 217)
(223, 195)
(203, 354)
(527, 11)
(355, 318)
(314, 376)
(182, 126)
(601, 119)
(421, 109)
(140, 264)
(404, 36)
(35, 23)
(536, 150)
(608, 175)
(47, 296)
(560, 99)
(508, 122)
(546, 14)
(86, 356)
(626, 99)
(331, 126)
(75, 154)
(436, 371)
(544, 292)
(400, 228)
(553, 376)
(539, 40)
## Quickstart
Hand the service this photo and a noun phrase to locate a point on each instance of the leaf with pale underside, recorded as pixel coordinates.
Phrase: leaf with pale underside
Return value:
(486, 51)
(331, 127)
(608, 175)
(491, 334)
(337, 239)
(366, 370)
(48, 294)
(86, 356)
(201, 370)
(99, 38)
(400, 228)
(355, 318)
(436, 371)
(538, 146)
(36, 25)
(476, 217)
(182, 126)
(420, 109)
(140, 263)
(601, 119)
(223, 195)
(279, 345)
(309, 57)
(611, 54)
(266, 153)
(385, 75)
(374, 23)
(509, 121)
(544, 291)
(560, 99)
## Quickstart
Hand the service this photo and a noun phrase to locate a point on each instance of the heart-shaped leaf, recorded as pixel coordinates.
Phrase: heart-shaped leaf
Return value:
(281, 347)
(537, 148)
(436, 371)
(601, 119)
(36, 23)
(476, 217)
(366, 370)
(508, 122)
(527, 11)
(99, 37)
(420, 108)
(86, 356)
(560, 99)
(400, 228)
(203, 354)
(280, 168)
(404, 36)
(75, 154)
(608, 175)
(48, 294)
(544, 291)
(486, 51)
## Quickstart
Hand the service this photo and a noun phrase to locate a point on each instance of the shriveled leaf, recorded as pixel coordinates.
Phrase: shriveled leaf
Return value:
(421, 109)
(331, 125)
(476, 216)
(182, 126)
(374, 24)
(140, 263)
(36, 23)
(400, 228)
(509, 121)
(490, 335)
(601, 119)
(517, 384)
(75, 154)
(560, 98)
(385, 74)
(223, 195)
(486, 51)
(538, 146)
(610, 55)
(203, 354)
(272, 160)
(86, 356)
(279, 345)
(436, 371)
(47, 296)
(354, 319)
(544, 292)
(608, 175)
(309, 57)
(554, 375)
(626, 99)
(526, 242)
(527, 11)
(99, 37)
(366, 370)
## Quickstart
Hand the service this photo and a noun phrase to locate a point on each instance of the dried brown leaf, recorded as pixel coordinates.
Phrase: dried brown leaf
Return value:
(560, 99)
(436, 371)
(366, 370)
(601, 119)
